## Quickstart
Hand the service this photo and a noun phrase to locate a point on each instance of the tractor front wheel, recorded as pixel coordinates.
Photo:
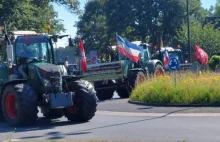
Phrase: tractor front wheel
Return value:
(158, 71)
(84, 102)
(136, 77)
(19, 105)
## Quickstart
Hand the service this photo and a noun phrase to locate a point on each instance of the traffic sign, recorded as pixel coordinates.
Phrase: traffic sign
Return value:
(173, 64)
(93, 58)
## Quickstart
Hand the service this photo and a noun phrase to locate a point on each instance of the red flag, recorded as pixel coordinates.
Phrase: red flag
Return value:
(201, 55)
(83, 57)
(166, 59)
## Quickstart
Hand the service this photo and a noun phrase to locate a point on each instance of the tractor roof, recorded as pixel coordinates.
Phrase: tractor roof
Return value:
(24, 33)
(170, 49)
(139, 43)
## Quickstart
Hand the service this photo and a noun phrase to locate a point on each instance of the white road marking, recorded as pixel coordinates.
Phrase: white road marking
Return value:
(12, 140)
(113, 113)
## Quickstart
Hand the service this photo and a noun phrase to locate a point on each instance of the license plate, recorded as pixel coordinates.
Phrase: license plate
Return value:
(60, 100)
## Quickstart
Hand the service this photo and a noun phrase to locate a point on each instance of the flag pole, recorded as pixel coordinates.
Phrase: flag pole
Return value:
(160, 48)
(117, 46)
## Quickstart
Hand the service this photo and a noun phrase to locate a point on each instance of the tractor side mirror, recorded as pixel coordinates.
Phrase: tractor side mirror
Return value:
(71, 42)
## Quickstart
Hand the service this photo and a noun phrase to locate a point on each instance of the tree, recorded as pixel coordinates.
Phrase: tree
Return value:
(207, 37)
(92, 27)
(71, 5)
(135, 20)
(34, 14)
(150, 18)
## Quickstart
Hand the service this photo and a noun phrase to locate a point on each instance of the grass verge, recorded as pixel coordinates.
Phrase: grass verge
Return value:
(202, 88)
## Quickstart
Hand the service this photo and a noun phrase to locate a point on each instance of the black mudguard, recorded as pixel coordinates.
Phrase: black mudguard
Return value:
(12, 82)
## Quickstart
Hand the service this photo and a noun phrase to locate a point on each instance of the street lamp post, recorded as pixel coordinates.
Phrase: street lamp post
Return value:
(188, 25)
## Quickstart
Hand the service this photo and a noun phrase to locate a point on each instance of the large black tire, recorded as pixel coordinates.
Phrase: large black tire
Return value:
(85, 104)
(105, 94)
(1, 112)
(19, 104)
(159, 70)
(141, 77)
(133, 76)
(123, 93)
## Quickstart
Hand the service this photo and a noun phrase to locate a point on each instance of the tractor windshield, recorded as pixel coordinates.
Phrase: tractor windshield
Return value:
(176, 55)
(33, 47)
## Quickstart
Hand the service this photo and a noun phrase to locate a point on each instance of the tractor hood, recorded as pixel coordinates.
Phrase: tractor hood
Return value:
(49, 75)
(47, 70)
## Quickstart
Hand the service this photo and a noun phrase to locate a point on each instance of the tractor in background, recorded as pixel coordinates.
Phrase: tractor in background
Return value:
(176, 53)
(30, 78)
(121, 76)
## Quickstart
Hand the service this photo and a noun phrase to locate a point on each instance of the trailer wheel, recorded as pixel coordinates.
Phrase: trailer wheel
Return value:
(84, 102)
(19, 105)
(104, 94)
(123, 93)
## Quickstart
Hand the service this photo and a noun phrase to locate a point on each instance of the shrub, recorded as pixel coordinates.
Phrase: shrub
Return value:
(190, 89)
(214, 62)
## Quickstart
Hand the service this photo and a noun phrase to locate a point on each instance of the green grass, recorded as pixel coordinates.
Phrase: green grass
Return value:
(203, 88)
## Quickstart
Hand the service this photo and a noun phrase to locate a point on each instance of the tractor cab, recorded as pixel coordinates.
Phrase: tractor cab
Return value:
(24, 48)
(30, 79)
(173, 53)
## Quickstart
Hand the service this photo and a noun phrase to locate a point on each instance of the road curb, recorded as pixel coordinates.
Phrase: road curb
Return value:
(172, 105)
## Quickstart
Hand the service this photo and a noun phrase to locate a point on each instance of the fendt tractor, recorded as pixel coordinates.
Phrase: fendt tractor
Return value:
(176, 53)
(30, 79)
(121, 76)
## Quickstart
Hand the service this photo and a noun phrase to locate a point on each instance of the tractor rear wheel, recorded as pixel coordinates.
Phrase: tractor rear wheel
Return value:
(19, 105)
(104, 94)
(84, 102)
(1, 112)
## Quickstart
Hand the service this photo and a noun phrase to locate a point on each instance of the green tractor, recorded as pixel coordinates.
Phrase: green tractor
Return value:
(30, 79)
(123, 75)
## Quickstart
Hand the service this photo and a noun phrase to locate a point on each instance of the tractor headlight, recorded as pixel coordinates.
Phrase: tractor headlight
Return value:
(46, 83)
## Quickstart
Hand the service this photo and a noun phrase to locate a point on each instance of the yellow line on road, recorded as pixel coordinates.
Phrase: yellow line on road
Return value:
(136, 114)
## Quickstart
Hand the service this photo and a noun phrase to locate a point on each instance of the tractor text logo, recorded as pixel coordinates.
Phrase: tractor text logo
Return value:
(51, 70)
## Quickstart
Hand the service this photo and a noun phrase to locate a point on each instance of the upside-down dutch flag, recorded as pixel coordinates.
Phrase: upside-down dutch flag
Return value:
(128, 49)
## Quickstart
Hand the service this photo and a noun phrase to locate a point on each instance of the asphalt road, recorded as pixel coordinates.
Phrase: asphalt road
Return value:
(117, 120)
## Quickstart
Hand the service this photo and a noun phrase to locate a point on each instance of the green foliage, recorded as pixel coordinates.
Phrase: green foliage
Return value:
(214, 62)
(134, 20)
(71, 5)
(207, 37)
(34, 14)
(92, 27)
(190, 89)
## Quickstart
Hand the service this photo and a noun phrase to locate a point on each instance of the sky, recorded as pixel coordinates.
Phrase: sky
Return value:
(69, 19)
